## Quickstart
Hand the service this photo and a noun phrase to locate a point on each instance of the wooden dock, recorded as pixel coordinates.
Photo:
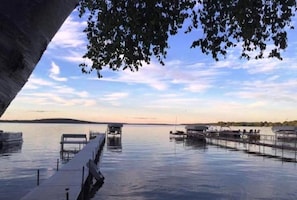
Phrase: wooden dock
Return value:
(68, 183)
(266, 145)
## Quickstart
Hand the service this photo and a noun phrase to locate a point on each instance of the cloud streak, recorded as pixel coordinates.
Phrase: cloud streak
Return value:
(70, 35)
(55, 73)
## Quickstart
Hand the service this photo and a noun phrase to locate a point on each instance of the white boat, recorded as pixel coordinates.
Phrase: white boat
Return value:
(10, 138)
(285, 132)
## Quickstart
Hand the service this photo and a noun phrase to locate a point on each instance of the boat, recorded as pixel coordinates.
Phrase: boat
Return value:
(114, 129)
(10, 138)
(177, 135)
(285, 132)
(227, 132)
(177, 132)
(197, 132)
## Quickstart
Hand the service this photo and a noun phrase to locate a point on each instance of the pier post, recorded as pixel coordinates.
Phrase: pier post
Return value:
(82, 181)
(67, 193)
(37, 177)
(295, 150)
(282, 151)
(57, 164)
(275, 146)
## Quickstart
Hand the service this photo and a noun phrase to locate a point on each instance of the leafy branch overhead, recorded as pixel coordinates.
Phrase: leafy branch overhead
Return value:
(124, 34)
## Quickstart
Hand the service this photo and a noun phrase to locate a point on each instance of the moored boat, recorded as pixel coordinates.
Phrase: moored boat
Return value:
(114, 129)
(197, 132)
(177, 132)
(285, 132)
(227, 132)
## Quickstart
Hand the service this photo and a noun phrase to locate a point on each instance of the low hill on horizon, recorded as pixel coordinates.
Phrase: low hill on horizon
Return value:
(54, 120)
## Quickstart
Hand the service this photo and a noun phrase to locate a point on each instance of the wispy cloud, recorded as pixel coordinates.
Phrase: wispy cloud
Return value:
(114, 98)
(70, 35)
(69, 44)
(55, 73)
(35, 83)
(194, 78)
(271, 90)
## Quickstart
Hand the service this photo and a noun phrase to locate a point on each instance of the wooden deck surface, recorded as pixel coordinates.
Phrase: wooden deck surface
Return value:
(69, 176)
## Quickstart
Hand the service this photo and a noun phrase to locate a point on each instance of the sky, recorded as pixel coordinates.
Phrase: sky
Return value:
(190, 88)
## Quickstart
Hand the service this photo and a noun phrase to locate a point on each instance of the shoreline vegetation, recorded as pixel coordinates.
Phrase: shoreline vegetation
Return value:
(221, 123)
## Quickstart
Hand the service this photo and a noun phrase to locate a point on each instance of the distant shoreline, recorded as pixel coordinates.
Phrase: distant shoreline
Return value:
(72, 121)
(76, 121)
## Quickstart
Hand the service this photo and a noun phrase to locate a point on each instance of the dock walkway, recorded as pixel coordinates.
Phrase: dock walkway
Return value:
(69, 180)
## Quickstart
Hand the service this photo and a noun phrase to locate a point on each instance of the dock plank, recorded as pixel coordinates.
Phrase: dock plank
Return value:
(69, 176)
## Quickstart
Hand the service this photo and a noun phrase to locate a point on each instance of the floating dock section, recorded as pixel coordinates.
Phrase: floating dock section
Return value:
(69, 182)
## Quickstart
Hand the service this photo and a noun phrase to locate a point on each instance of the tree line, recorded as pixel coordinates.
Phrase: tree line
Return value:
(260, 124)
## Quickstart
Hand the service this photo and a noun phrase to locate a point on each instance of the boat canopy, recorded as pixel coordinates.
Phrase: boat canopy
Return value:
(196, 127)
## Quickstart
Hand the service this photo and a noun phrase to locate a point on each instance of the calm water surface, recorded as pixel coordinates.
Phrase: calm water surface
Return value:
(146, 164)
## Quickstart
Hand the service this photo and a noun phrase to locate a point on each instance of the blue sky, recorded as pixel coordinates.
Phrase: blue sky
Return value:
(190, 88)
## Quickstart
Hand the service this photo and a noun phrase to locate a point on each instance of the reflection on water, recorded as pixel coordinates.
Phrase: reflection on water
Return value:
(11, 148)
(150, 166)
(195, 144)
(177, 139)
(114, 143)
(39, 151)
(192, 143)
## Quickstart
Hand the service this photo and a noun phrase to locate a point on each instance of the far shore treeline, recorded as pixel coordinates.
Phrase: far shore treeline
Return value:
(220, 123)
(259, 124)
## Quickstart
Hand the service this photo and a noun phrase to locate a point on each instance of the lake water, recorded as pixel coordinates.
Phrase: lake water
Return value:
(146, 164)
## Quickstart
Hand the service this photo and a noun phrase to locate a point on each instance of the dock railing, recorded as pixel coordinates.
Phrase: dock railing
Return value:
(75, 143)
(266, 145)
